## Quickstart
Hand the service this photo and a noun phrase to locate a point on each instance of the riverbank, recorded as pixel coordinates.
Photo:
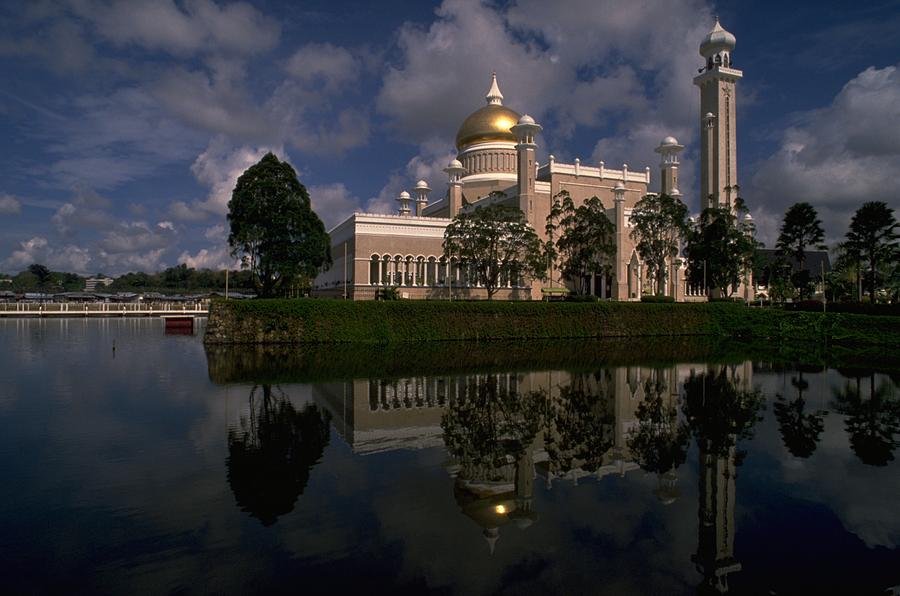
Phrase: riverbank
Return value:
(389, 322)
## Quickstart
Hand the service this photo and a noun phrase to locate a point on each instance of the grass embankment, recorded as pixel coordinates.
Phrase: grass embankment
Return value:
(388, 322)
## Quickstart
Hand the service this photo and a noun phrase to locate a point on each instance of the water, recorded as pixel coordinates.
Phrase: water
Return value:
(543, 468)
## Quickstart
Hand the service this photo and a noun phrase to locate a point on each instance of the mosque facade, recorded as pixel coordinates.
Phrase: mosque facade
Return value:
(496, 163)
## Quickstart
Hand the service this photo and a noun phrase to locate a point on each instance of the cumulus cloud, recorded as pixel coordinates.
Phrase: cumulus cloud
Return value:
(210, 258)
(9, 205)
(332, 203)
(433, 156)
(839, 156)
(324, 65)
(38, 250)
(218, 168)
(182, 28)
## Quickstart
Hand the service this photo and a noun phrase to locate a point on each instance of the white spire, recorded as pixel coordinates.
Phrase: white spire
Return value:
(494, 97)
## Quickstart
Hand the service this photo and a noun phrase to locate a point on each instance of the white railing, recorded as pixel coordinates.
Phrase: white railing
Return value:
(102, 309)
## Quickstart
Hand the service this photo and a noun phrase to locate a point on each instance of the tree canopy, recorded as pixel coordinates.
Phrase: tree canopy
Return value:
(274, 230)
(497, 243)
(581, 240)
(659, 222)
(873, 240)
(721, 248)
(800, 230)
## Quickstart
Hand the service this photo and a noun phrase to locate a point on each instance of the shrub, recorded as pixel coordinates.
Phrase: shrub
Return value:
(656, 298)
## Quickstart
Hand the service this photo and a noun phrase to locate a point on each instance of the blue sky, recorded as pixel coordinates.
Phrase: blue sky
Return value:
(125, 124)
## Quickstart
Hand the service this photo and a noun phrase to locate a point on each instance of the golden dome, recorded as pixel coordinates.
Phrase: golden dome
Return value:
(490, 123)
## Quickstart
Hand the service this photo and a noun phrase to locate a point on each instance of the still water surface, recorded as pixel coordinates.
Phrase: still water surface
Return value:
(135, 462)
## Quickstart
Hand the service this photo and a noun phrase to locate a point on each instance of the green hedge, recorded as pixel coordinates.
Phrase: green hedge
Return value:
(381, 322)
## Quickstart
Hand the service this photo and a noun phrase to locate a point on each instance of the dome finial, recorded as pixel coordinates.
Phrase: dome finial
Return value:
(494, 97)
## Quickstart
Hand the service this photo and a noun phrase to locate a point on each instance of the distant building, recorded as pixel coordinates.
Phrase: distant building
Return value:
(92, 283)
(816, 263)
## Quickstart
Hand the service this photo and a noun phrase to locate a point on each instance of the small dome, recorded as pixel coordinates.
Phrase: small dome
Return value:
(717, 40)
(669, 141)
(404, 195)
(454, 164)
(421, 184)
(748, 217)
(526, 119)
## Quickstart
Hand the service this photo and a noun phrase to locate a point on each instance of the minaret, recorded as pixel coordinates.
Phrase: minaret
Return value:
(421, 191)
(403, 199)
(668, 165)
(718, 121)
(455, 171)
(525, 132)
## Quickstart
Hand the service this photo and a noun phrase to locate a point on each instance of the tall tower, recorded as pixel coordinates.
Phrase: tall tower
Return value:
(718, 136)
(668, 165)
(525, 130)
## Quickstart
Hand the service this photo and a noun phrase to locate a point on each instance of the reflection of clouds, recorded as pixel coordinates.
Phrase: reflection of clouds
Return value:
(863, 497)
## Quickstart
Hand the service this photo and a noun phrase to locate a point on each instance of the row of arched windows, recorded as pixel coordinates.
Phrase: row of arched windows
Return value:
(422, 271)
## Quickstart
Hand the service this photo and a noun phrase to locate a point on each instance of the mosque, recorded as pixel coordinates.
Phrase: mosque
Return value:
(496, 163)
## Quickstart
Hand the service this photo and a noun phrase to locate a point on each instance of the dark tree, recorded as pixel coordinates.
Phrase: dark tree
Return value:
(270, 457)
(800, 230)
(873, 241)
(659, 222)
(581, 240)
(274, 230)
(42, 273)
(721, 248)
(497, 243)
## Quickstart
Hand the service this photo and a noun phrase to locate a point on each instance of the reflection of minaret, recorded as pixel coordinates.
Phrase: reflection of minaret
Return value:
(715, 548)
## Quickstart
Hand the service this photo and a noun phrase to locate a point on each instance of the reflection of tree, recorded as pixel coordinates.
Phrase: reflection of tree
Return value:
(270, 456)
(873, 424)
(490, 425)
(799, 430)
(659, 442)
(718, 413)
(581, 427)
(490, 431)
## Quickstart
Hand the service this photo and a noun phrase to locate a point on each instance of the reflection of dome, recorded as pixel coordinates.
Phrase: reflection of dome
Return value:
(490, 123)
(717, 40)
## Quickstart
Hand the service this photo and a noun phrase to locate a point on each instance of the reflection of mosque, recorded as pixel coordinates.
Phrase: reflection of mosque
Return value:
(586, 423)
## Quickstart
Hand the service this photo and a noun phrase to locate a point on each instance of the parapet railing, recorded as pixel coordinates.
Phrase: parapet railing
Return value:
(102, 309)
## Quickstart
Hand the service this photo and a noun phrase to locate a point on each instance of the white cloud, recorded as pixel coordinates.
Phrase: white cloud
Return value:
(841, 155)
(191, 27)
(38, 250)
(219, 167)
(9, 205)
(332, 203)
(209, 258)
(323, 65)
(428, 165)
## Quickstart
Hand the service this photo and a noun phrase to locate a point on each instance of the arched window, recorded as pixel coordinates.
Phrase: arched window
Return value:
(374, 270)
